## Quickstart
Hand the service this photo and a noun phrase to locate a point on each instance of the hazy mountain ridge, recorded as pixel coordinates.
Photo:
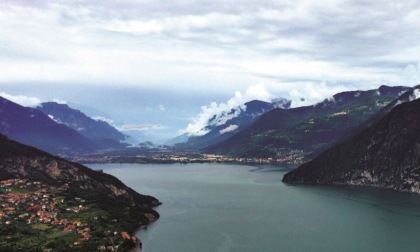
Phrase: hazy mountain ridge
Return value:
(32, 127)
(385, 155)
(99, 131)
(305, 131)
(59, 129)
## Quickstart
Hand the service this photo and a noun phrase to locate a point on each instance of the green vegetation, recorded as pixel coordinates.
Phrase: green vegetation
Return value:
(50, 217)
(310, 129)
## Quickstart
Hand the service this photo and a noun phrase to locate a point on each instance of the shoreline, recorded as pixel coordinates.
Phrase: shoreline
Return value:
(139, 244)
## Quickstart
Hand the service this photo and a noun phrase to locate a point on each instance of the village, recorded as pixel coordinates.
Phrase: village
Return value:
(288, 157)
(41, 206)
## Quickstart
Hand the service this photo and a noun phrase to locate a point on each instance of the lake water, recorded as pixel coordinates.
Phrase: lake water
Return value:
(219, 207)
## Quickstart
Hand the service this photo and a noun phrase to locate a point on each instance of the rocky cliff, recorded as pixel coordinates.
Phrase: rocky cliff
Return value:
(385, 155)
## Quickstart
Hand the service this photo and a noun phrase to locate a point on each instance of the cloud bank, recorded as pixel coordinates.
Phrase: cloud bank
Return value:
(229, 128)
(22, 100)
(310, 93)
(142, 127)
(215, 110)
(213, 44)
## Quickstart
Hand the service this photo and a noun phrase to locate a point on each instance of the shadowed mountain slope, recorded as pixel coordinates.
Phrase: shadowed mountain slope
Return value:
(103, 134)
(385, 155)
(32, 127)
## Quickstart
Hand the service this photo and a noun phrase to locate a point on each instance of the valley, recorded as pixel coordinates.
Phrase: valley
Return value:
(364, 138)
(209, 126)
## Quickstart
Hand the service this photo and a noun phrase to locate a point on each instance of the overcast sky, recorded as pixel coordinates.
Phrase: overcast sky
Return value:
(156, 63)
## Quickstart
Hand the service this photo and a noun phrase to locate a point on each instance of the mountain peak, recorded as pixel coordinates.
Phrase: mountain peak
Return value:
(383, 90)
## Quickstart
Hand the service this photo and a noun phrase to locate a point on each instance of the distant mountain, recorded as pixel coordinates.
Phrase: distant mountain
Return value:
(385, 155)
(301, 133)
(226, 124)
(178, 140)
(99, 131)
(135, 137)
(32, 127)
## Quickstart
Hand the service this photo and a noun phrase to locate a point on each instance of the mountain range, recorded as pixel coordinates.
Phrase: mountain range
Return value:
(302, 133)
(62, 130)
(384, 154)
(32, 127)
(225, 124)
(98, 131)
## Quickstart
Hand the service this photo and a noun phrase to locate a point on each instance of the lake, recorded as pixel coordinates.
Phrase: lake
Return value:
(222, 207)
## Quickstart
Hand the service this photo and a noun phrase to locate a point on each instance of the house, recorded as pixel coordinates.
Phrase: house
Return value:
(125, 235)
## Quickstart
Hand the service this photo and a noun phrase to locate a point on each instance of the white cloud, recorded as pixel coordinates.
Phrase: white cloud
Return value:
(136, 27)
(310, 93)
(185, 42)
(229, 128)
(141, 127)
(410, 75)
(162, 108)
(218, 110)
(104, 119)
(59, 101)
(415, 95)
(23, 100)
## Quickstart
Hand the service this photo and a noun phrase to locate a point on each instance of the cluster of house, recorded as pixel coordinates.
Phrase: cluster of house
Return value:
(16, 204)
(36, 203)
(114, 248)
(287, 156)
(293, 156)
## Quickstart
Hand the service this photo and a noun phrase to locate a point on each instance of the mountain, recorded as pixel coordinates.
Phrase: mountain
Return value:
(103, 191)
(98, 131)
(32, 127)
(178, 140)
(25, 162)
(301, 133)
(134, 136)
(385, 155)
(227, 123)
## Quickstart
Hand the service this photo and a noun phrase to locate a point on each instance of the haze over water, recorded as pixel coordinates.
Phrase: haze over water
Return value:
(219, 207)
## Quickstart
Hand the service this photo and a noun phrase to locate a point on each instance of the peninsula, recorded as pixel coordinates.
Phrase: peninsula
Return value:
(65, 205)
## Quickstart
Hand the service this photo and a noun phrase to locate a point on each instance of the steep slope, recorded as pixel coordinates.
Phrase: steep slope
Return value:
(386, 155)
(24, 162)
(100, 132)
(224, 125)
(302, 132)
(32, 127)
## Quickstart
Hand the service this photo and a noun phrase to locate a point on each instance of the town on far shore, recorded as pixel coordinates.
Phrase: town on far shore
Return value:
(168, 156)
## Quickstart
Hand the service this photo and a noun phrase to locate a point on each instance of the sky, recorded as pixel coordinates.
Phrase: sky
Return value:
(161, 67)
